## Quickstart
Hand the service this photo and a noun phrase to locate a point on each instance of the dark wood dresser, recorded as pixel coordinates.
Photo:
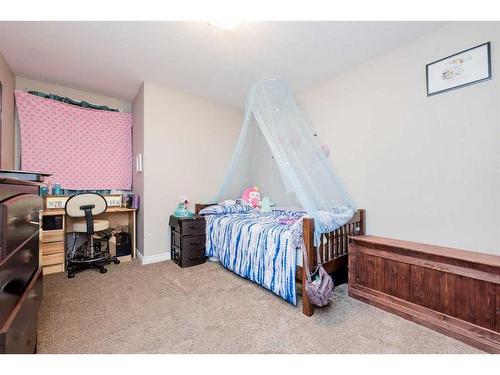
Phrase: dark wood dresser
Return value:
(188, 240)
(20, 271)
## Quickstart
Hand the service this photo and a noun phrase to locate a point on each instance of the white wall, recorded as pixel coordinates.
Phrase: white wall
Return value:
(7, 79)
(188, 143)
(138, 148)
(426, 168)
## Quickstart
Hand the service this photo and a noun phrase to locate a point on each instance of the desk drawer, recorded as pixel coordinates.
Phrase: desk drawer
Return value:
(56, 268)
(48, 236)
(51, 259)
(52, 248)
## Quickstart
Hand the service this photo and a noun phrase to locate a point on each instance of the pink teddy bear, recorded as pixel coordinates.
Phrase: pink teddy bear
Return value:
(252, 196)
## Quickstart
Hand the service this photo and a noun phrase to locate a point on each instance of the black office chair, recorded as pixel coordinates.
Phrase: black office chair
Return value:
(92, 253)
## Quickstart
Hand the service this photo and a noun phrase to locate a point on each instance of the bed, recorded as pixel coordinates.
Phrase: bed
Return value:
(265, 250)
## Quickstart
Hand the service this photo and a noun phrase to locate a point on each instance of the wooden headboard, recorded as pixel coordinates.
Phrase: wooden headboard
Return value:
(199, 206)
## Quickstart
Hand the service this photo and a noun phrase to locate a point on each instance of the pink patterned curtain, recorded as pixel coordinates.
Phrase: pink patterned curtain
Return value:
(85, 149)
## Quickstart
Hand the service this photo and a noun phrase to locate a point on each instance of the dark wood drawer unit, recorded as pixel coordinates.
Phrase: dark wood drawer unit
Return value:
(19, 332)
(15, 275)
(188, 240)
(20, 274)
(452, 291)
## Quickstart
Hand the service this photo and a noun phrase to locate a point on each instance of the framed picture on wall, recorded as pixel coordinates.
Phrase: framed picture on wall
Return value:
(461, 69)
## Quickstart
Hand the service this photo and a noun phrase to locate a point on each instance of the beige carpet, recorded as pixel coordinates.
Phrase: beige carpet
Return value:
(161, 308)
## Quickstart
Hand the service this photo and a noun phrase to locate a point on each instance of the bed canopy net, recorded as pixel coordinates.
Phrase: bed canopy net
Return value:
(278, 153)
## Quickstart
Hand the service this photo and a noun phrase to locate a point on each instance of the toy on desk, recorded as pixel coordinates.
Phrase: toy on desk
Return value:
(182, 209)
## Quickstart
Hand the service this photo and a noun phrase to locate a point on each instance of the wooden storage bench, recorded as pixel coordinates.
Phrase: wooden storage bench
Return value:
(452, 291)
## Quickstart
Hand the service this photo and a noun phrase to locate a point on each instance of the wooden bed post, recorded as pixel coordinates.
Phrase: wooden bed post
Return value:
(362, 222)
(308, 233)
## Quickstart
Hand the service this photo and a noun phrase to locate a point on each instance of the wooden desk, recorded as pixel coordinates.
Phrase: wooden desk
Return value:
(53, 242)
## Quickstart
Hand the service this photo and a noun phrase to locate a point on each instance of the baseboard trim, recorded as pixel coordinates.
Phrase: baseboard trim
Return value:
(148, 259)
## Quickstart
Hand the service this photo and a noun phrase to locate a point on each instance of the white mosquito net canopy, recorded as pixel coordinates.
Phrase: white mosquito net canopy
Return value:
(278, 153)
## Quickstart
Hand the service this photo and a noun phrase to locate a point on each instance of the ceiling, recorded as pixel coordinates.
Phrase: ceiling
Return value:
(113, 58)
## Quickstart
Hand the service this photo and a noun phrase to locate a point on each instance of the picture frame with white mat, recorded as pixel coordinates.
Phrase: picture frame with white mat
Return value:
(461, 69)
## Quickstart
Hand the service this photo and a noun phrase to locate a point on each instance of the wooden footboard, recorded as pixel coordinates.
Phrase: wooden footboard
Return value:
(333, 249)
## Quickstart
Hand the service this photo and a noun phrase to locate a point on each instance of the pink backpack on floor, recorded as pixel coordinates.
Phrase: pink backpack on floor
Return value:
(318, 284)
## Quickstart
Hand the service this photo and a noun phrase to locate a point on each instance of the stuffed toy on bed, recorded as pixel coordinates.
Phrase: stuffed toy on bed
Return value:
(265, 206)
(251, 195)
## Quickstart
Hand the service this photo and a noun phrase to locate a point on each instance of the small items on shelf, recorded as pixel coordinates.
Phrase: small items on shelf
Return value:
(59, 201)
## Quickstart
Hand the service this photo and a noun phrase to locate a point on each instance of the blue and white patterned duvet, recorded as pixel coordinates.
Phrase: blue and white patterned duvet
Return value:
(259, 247)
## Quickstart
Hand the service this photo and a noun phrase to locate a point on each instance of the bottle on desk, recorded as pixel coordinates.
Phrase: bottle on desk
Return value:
(44, 191)
(56, 189)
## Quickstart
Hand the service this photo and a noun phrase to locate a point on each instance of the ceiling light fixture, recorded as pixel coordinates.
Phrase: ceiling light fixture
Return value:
(225, 24)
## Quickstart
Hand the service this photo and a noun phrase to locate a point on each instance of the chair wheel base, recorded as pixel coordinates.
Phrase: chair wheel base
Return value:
(103, 270)
(116, 261)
